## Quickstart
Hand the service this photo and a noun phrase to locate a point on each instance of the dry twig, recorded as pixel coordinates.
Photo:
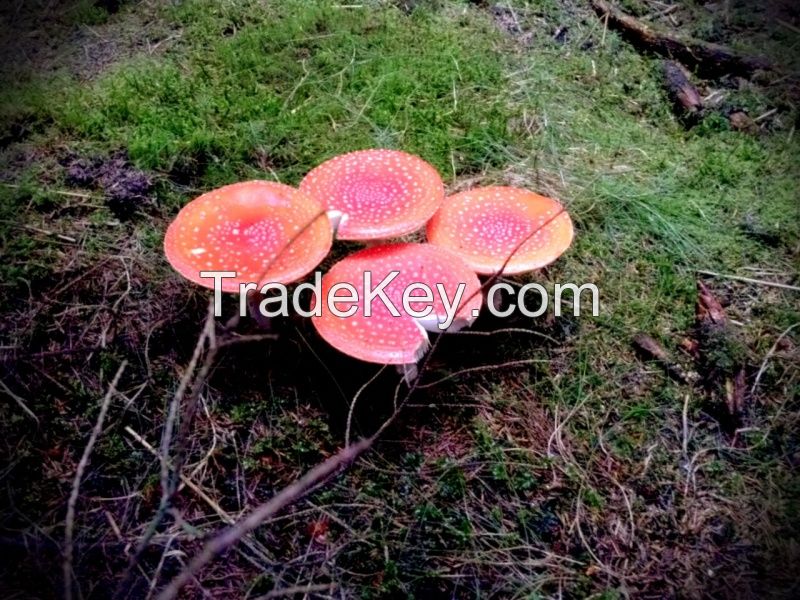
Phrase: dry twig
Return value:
(294, 491)
(710, 59)
(777, 284)
(769, 355)
(20, 402)
(69, 528)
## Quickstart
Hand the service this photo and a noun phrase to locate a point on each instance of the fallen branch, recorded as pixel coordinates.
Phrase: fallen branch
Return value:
(775, 284)
(684, 95)
(650, 349)
(769, 355)
(76, 483)
(711, 60)
(192, 381)
(19, 400)
(311, 480)
(201, 493)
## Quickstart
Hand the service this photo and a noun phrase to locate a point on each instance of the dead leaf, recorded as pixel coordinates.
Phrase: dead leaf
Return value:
(650, 349)
(740, 121)
(708, 307)
(689, 346)
(317, 530)
(734, 393)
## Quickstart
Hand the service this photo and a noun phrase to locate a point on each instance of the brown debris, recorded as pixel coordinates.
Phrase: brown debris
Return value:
(684, 95)
(650, 349)
(734, 393)
(125, 187)
(720, 355)
(689, 346)
(706, 58)
(708, 307)
(740, 121)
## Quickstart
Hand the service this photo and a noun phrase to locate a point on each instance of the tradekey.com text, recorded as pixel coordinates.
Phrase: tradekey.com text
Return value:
(417, 300)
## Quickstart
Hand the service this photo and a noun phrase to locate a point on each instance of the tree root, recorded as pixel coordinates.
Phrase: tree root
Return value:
(706, 59)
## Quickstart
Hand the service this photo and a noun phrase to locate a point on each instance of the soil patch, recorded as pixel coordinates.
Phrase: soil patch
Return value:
(125, 187)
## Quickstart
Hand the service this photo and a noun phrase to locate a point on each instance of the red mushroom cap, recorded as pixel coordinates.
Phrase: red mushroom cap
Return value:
(254, 228)
(486, 225)
(382, 337)
(381, 193)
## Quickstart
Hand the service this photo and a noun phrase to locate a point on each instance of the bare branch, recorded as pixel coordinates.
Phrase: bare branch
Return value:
(769, 355)
(69, 528)
(505, 365)
(20, 402)
(291, 493)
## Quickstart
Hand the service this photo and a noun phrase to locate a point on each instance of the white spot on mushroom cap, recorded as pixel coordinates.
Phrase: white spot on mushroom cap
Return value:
(382, 337)
(249, 227)
(487, 225)
(384, 192)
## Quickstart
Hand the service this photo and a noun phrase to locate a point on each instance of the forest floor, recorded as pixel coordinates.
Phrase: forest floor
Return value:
(570, 466)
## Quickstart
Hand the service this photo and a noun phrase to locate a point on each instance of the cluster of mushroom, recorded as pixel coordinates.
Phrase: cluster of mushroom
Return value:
(270, 232)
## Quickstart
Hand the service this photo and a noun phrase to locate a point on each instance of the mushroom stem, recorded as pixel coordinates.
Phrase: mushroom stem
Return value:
(384, 193)
(337, 218)
(254, 298)
(432, 322)
(409, 372)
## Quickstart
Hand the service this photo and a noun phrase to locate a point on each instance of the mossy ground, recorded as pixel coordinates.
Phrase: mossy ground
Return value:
(589, 473)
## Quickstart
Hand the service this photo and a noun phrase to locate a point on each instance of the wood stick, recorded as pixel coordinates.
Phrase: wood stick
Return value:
(711, 60)
(76, 483)
(776, 284)
(19, 400)
(684, 95)
(312, 479)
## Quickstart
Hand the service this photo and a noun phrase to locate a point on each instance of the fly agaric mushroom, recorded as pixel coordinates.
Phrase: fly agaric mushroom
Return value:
(402, 338)
(262, 230)
(486, 226)
(376, 194)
